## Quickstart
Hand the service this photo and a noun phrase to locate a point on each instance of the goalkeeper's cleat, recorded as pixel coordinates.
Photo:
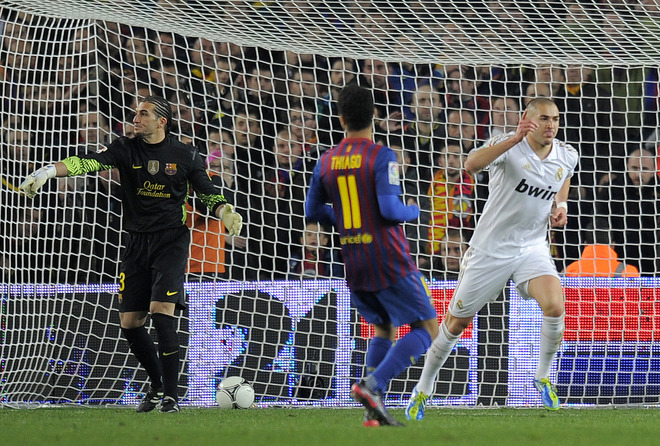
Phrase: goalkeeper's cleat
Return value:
(169, 405)
(548, 393)
(416, 405)
(150, 400)
(374, 404)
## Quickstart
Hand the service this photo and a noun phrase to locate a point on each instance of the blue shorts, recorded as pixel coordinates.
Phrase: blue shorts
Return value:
(404, 302)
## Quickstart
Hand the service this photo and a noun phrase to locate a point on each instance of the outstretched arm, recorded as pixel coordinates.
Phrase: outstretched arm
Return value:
(39, 177)
(62, 170)
(71, 166)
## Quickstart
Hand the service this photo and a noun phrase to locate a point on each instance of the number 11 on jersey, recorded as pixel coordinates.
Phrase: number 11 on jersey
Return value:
(350, 203)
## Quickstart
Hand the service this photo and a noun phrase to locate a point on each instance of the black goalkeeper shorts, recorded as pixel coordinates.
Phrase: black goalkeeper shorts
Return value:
(153, 268)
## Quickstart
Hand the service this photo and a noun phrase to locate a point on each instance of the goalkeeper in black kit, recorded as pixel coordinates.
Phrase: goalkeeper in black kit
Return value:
(156, 171)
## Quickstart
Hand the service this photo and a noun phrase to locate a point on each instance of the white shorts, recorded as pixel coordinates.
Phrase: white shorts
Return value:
(483, 277)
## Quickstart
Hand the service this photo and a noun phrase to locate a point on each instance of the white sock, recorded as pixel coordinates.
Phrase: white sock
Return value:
(435, 358)
(552, 332)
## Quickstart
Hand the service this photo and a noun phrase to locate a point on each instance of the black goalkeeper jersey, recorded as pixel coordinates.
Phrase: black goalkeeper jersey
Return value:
(155, 180)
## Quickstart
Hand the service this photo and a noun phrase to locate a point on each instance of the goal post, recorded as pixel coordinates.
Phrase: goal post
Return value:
(253, 86)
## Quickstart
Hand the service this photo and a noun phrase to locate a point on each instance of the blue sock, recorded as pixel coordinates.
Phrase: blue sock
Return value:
(378, 348)
(405, 352)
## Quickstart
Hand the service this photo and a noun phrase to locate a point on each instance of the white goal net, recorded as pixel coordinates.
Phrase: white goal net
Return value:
(253, 86)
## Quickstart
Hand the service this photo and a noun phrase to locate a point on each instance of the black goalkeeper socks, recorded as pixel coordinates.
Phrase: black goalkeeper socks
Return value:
(142, 346)
(168, 348)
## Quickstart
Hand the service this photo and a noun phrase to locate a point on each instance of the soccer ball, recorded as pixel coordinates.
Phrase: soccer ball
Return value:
(234, 393)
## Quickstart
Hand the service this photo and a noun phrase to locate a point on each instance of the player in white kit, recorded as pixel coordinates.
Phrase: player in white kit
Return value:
(530, 175)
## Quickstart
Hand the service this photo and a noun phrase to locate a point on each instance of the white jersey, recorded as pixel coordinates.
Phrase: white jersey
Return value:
(521, 191)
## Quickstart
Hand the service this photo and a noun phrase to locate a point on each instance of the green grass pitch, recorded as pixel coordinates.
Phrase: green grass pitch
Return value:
(311, 427)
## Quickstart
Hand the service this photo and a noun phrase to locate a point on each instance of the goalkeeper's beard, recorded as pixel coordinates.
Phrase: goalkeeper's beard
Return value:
(144, 136)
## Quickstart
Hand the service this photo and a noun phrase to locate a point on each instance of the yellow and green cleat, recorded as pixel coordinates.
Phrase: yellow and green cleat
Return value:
(548, 393)
(416, 405)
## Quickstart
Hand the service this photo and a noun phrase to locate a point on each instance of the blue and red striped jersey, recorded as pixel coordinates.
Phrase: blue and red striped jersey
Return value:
(351, 177)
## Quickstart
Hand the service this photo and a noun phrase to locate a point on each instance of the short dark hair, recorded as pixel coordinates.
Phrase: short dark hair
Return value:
(162, 108)
(540, 100)
(356, 105)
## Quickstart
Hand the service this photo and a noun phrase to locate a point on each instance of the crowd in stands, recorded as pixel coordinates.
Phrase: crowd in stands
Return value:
(261, 118)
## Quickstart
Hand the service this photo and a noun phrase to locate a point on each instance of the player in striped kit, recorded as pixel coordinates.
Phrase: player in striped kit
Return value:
(361, 181)
(530, 175)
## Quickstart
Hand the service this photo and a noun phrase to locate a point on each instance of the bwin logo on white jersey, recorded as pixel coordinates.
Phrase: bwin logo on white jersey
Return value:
(533, 191)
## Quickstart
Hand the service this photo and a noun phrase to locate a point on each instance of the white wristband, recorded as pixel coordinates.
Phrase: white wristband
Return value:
(562, 204)
(51, 171)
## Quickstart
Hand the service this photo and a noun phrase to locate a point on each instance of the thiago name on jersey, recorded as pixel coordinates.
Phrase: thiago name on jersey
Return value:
(346, 162)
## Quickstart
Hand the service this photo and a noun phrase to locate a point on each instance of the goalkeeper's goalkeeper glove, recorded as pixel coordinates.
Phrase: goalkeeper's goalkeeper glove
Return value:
(36, 179)
(232, 220)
